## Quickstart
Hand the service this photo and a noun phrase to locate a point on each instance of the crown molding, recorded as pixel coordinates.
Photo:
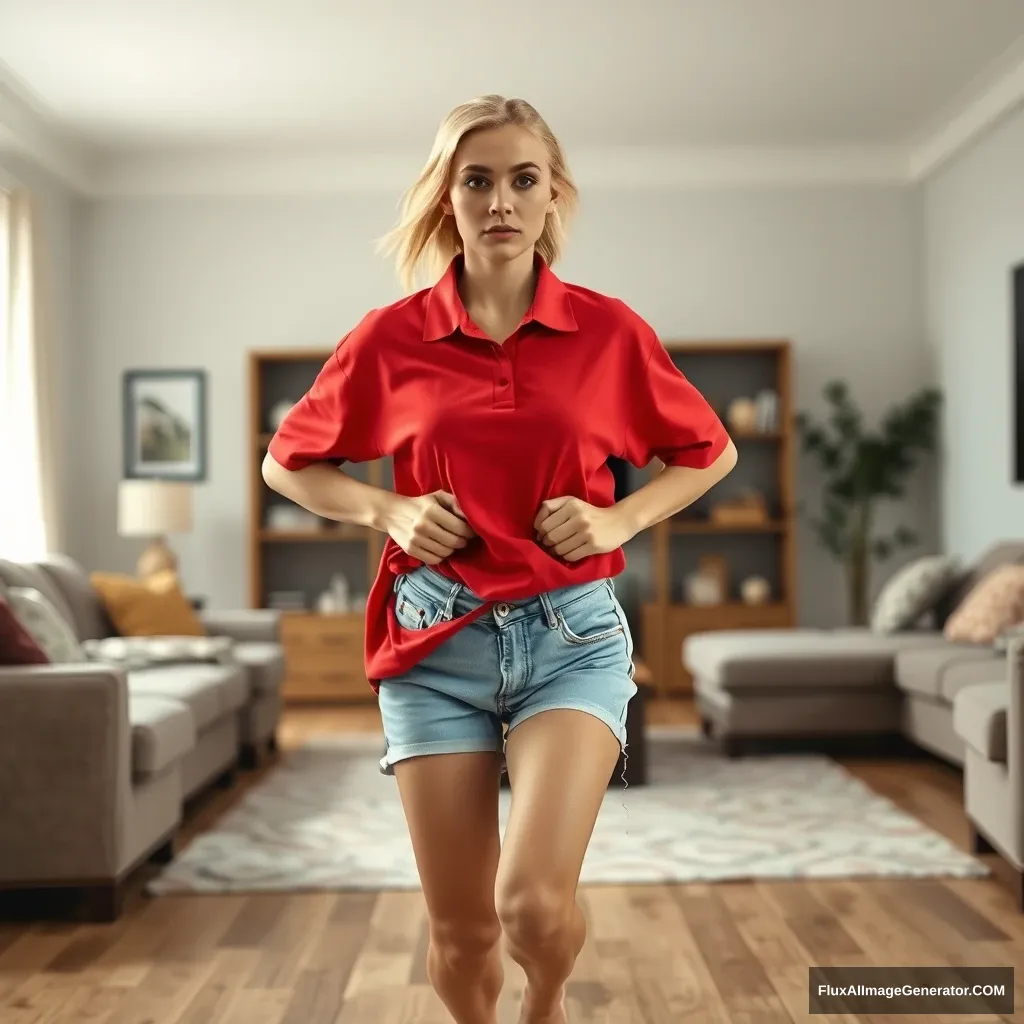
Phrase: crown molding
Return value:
(1000, 96)
(28, 135)
(280, 167)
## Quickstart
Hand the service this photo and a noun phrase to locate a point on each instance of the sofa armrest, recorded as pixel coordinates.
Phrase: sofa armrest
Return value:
(244, 624)
(1015, 734)
(65, 772)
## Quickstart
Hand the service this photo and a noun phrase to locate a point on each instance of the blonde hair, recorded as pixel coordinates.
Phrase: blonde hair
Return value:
(425, 239)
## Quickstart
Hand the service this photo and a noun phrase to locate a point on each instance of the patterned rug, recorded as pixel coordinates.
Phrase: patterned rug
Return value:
(325, 818)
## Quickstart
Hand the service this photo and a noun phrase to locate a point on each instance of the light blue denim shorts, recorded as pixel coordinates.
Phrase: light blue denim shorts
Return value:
(566, 648)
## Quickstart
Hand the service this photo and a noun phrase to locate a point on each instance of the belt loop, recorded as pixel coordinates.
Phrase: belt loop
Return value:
(549, 610)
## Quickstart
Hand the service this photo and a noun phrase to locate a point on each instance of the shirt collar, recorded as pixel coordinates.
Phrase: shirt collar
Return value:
(445, 312)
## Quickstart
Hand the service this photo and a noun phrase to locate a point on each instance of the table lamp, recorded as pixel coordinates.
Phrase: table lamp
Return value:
(154, 508)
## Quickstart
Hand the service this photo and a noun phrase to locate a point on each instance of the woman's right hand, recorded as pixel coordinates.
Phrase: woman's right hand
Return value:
(429, 527)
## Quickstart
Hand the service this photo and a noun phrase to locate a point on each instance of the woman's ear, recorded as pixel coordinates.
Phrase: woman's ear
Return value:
(446, 206)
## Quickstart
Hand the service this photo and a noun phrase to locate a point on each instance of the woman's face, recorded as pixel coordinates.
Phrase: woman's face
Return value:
(500, 192)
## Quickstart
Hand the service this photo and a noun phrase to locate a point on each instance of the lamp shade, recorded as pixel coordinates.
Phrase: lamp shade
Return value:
(149, 508)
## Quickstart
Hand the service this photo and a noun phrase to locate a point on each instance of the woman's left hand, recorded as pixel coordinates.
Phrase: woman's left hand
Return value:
(574, 529)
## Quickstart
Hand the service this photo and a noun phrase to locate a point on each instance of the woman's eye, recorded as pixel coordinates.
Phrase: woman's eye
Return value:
(529, 179)
(470, 181)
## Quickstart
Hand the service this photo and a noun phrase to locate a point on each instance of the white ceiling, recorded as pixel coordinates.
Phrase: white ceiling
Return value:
(899, 80)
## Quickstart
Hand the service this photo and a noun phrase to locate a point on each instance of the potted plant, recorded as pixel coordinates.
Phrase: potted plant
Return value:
(861, 468)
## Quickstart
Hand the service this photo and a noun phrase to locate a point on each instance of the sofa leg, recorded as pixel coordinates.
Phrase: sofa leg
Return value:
(248, 757)
(163, 854)
(978, 843)
(102, 904)
(706, 729)
(272, 743)
(733, 746)
(226, 779)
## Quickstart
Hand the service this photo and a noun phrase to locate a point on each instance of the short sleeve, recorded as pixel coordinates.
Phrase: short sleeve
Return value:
(336, 420)
(667, 417)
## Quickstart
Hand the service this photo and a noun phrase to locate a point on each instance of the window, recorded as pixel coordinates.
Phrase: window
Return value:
(24, 530)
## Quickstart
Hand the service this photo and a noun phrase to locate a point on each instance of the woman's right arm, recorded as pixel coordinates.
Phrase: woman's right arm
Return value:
(326, 491)
(430, 527)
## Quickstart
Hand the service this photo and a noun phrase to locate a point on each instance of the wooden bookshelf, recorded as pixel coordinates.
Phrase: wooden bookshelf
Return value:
(323, 652)
(723, 371)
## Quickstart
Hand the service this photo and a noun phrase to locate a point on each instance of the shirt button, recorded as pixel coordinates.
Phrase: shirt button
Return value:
(502, 383)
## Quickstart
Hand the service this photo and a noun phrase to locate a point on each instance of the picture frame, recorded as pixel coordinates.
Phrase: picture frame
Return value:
(164, 424)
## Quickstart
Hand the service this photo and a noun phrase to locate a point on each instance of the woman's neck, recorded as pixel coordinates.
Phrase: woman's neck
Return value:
(498, 291)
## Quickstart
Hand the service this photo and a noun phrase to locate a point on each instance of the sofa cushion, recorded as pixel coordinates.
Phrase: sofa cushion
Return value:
(88, 615)
(163, 732)
(32, 577)
(979, 718)
(981, 671)
(208, 691)
(265, 664)
(154, 606)
(923, 671)
(995, 602)
(737, 660)
(913, 591)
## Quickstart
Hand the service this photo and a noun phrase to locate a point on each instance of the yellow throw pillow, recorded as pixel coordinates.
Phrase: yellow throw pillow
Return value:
(995, 602)
(154, 606)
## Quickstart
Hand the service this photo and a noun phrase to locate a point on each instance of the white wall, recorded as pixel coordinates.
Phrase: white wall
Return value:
(181, 282)
(974, 229)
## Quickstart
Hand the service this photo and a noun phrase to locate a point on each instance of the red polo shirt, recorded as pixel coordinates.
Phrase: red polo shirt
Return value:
(502, 427)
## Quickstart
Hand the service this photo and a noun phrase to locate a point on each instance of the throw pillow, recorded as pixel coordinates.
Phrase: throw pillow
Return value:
(17, 645)
(41, 620)
(153, 606)
(993, 604)
(912, 591)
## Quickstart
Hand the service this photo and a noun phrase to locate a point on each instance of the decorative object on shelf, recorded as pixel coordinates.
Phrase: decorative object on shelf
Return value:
(291, 517)
(767, 418)
(755, 590)
(335, 599)
(741, 415)
(164, 424)
(747, 509)
(358, 603)
(861, 468)
(153, 509)
(715, 567)
(278, 412)
(709, 585)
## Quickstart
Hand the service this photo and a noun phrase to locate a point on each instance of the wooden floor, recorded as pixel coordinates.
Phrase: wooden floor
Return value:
(655, 954)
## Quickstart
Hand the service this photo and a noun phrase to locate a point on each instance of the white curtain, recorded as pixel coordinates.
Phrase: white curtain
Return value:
(28, 520)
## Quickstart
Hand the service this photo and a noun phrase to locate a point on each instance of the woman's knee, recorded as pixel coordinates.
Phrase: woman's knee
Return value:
(463, 940)
(535, 916)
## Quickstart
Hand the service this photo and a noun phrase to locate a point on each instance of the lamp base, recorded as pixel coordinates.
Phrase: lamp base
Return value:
(157, 557)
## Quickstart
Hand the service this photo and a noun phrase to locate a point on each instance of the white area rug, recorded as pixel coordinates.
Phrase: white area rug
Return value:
(326, 818)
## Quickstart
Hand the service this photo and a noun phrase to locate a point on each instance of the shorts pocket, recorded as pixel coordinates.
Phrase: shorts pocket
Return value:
(591, 619)
(414, 609)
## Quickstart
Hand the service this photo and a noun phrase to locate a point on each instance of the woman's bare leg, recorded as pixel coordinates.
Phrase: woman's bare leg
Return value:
(559, 765)
(451, 805)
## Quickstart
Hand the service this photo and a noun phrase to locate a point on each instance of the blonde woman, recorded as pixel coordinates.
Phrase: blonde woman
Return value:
(500, 392)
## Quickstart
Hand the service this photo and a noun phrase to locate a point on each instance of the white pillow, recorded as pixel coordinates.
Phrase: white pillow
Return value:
(131, 652)
(912, 591)
(45, 625)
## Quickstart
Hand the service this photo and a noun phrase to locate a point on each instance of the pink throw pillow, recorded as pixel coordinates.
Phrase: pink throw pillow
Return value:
(995, 602)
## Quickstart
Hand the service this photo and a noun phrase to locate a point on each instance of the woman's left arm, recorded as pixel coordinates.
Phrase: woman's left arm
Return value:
(672, 490)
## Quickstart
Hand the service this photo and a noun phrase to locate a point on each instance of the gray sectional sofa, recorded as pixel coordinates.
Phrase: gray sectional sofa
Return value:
(961, 702)
(97, 761)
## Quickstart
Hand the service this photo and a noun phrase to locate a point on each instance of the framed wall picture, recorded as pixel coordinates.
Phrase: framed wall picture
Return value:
(1017, 341)
(164, 417)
